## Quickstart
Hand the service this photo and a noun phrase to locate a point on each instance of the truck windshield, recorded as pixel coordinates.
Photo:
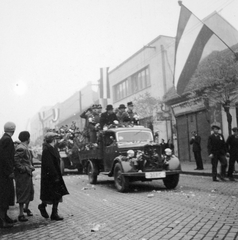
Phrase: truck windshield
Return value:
(134, 136)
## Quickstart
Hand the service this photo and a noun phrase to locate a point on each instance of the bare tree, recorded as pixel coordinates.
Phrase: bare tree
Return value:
(216, 80)
(147, 106)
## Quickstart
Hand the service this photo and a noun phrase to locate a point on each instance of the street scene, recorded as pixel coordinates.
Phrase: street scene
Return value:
(197, 209)
(119, 120)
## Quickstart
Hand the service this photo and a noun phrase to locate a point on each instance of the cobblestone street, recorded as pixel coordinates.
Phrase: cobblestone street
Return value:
(197, 209)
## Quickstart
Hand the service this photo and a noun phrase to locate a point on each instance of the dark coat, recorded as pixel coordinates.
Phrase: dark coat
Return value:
(7, 151)
(196, 142)
(216, 144)
(232, 145)
(107, 119)
(52, 183)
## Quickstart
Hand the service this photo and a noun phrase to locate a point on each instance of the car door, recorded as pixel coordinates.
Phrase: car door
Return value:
(110, 150)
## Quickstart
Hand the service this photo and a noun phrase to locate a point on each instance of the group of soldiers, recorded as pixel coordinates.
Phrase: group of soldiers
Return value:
(95, 120)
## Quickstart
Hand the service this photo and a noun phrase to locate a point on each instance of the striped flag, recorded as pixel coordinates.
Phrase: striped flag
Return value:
(104, 83)
(195, 40)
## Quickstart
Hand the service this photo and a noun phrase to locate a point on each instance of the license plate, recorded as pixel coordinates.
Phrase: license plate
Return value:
(155, 175)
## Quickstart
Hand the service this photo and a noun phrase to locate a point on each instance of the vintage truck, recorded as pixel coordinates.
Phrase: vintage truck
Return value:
(129, 154)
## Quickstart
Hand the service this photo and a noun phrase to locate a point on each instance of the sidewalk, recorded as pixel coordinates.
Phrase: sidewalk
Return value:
(188, 168)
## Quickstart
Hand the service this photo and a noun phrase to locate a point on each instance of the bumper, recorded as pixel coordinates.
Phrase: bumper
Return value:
(143, 174)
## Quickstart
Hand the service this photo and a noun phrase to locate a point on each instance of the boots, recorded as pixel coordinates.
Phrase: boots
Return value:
(54, 215)
(43, 211)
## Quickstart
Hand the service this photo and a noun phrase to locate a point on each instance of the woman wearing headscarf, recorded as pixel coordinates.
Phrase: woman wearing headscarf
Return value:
(52, 184)
(23, 175)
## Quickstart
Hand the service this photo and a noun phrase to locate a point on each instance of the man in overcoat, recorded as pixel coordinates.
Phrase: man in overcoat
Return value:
(52, 184)
(217, 151)
(196, 143)
(7, 195)
(232, 146)
(108, 117)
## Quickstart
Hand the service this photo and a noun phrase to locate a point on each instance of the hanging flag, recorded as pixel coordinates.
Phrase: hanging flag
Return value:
(104, 83)
(195, 40)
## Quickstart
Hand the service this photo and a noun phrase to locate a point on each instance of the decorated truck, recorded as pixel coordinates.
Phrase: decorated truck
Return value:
(129, 154)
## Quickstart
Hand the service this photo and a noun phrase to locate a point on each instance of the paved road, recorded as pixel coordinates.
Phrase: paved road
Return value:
(197, 209)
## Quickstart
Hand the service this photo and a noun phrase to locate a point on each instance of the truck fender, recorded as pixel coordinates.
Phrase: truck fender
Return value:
(126, 167)
(174, 163)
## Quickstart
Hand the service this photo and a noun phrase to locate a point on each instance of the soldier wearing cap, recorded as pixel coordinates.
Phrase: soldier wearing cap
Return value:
(217, 152)
(7, 195)
(133, 115)
(52, 184)
(122, 115)
(232, 146)
(108, 117)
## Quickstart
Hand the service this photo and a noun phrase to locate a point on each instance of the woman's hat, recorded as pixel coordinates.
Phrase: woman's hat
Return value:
(9, 127)
(50, 136)
(24, 136)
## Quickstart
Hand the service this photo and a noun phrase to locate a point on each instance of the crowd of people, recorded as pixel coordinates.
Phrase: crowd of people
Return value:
(95, 120)
(16, 163)
(219, 150)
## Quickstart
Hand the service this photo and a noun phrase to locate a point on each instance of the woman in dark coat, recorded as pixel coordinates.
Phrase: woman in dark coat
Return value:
(6, 174)
(52, 183)
(23, 175)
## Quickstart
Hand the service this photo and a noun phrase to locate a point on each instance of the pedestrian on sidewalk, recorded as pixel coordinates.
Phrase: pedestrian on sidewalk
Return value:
(232, 146)
(7, 192)
(52, 184)
(217, 152)
(195, 141)
(23, 163)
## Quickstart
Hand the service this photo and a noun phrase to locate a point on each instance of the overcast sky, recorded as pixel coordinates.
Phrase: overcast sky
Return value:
(49, 49)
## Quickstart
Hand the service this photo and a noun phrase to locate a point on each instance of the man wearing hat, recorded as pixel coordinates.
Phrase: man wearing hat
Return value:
(217, 152)
(7, 195)
(133, 116)
(108, 117)
(232, 146)
(122, 115)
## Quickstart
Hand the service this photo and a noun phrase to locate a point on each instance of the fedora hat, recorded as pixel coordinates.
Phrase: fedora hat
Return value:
(109, 107)
(122, 106)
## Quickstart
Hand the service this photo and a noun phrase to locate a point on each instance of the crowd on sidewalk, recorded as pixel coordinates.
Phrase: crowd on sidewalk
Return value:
(16, 163)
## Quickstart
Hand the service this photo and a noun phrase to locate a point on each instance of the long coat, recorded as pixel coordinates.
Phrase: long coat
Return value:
(216, 144)
(23, 174)
(6, 168)
(52, 183)
(196, 141)
(107, 119)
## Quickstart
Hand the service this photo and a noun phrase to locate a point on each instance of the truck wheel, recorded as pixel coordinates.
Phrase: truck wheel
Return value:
(121, 182)
(92, 173)
(171, 181)
(62, 166)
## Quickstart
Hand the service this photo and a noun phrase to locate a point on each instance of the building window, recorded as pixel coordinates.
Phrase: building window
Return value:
(136, 82)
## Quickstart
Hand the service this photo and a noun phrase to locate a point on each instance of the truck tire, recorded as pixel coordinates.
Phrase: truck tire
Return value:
(171, 181)
(121, 182)
(92, 172)
(62, 166)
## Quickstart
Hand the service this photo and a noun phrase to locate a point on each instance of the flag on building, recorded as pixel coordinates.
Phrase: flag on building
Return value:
(104, 83)
(196, 40)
